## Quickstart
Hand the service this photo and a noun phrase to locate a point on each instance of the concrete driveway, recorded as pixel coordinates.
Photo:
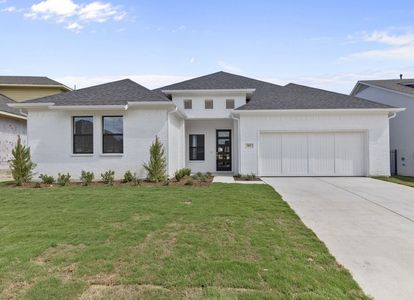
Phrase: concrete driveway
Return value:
(367, 224)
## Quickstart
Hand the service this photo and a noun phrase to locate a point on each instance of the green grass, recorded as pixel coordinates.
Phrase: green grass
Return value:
(409, 181)
(222, 242)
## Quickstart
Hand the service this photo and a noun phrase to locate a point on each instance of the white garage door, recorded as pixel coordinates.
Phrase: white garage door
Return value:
(312, 154)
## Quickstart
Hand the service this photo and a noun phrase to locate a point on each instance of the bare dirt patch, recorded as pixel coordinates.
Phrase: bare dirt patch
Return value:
(58, 251)
(136, 291)
(15, 290)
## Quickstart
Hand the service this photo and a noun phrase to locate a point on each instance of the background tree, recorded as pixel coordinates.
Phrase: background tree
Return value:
(157, 165)
(21, 164)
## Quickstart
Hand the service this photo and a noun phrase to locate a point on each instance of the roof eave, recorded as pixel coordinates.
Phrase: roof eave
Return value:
(60, 86)
(11, 115)
(325, 110)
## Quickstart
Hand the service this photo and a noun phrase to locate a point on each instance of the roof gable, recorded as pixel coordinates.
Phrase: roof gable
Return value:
(30, 80)
(405, 86)
(112, 93)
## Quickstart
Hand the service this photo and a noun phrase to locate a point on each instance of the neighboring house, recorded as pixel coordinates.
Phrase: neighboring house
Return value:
(13, 121)
(21, 88)
(12, 124)
(399, 93)
(222, 123)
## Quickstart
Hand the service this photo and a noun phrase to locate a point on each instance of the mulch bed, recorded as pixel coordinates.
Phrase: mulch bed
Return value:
(186, 181)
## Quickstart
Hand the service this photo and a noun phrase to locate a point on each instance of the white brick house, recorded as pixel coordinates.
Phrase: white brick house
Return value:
(221, 123)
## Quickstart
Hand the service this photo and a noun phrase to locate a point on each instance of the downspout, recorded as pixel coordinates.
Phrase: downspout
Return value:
(175, 109)
(238, 143)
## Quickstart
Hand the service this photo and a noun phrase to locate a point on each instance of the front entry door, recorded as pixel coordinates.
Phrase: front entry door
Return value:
(223, 149)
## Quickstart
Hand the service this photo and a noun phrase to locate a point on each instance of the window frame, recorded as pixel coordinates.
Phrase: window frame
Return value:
(112, 134)
(208, 101)
(79, 134)
(190, 147)
(230, 101)
(188, 101)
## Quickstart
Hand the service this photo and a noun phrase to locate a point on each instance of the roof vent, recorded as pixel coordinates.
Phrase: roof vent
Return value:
(401, 76)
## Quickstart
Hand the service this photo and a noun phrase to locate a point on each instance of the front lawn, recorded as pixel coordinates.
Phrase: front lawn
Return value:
(224, 241)
(409, 181)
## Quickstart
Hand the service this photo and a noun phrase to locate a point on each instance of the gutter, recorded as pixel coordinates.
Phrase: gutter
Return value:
(342, 110)
(11, 115)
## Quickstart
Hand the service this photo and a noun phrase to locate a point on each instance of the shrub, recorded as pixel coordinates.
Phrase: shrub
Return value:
(46, 179)
(188, 182)
(63, 179)
(181, 173)
(157, 166)
(87, 177)
(129, 177)
(21, 164)
(108, 177)
(209, 174)
(251, 177)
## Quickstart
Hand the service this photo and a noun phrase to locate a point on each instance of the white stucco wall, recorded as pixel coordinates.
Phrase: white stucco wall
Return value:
(176, 142)
(375, 126)
(401, 127)
(219, 104)
(50, 139)
(208, 128)
(10, 128)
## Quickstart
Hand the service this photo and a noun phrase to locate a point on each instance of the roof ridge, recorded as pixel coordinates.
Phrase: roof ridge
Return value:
(211, 77)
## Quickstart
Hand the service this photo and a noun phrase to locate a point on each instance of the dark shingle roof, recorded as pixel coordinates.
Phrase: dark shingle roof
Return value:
(217, 81)
(5, 108)
(294, 96)
(272, 96)
(28, 80)
(112, 93)
(400, 85)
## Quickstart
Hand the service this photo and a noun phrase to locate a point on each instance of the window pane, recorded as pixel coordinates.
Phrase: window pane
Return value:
(188, 104)
(229, 103)
(113, 125)
(196, 147)
(83, 125)
(113, 144)
(83, 144)
(208, 104)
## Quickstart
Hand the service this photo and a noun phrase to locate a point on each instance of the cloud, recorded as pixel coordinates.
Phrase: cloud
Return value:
(229, 67)
(9, 9)
(192, 60)
(150, 81)
(395, 46)
(75, 16)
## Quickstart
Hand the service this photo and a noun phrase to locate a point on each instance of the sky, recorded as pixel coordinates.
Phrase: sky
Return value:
(324, 44)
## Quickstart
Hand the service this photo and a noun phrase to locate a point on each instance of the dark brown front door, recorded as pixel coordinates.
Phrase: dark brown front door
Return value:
(223, 150)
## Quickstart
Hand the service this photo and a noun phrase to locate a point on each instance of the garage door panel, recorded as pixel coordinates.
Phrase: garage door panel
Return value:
(271, 155)
(321, 154)
(294, 154)
(312, 154)
(349, 149)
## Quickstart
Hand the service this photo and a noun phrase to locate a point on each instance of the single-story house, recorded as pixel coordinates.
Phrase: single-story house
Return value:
(399, 93)
(221, 123)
